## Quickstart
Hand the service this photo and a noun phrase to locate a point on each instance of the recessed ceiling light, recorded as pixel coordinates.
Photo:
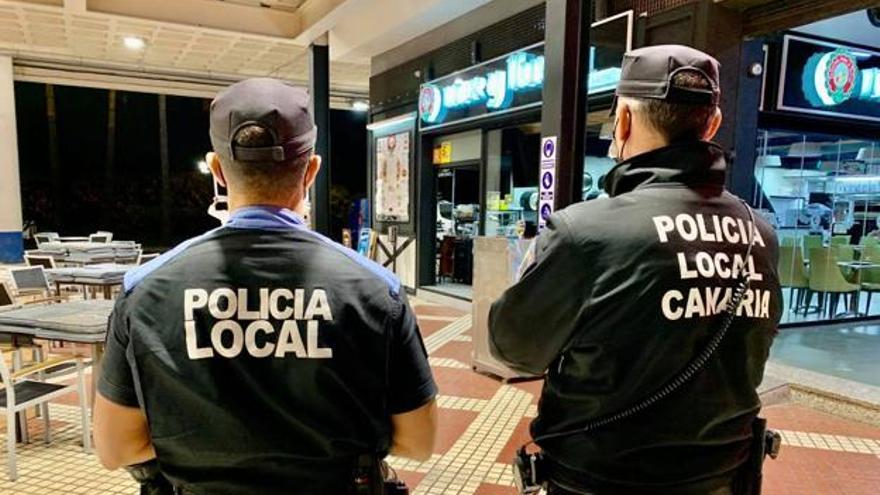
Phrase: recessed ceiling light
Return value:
(134, 43)
(360, 105)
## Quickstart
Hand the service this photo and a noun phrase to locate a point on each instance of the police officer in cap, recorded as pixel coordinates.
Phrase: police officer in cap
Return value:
(626, 291)
(261, 357)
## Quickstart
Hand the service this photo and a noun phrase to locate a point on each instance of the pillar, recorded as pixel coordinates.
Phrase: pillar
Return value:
(563, 116)
(319, 81)
(11, 245)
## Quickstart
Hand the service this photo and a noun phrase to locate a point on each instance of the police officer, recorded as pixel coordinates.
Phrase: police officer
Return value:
(261, 357)
(625, 291)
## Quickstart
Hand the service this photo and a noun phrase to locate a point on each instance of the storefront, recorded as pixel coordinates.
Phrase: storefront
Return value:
(817, 173)
(473, 145)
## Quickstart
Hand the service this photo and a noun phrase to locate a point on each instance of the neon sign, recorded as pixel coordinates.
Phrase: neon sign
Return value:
(833, 78)
(522, 72)
(507, 82)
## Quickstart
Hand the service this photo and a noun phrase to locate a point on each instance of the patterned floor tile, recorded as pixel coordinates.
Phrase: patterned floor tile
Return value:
(483, 421)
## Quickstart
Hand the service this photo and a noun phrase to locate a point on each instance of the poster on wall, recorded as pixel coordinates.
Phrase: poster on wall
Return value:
(392, 178)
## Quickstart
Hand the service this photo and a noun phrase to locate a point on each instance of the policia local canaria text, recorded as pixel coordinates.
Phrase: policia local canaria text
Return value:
(702, 301)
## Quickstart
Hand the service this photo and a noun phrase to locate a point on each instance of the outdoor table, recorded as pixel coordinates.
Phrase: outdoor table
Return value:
(105, 275)
(80, 322)
(854, 300)
(90, 253)
(73, 239)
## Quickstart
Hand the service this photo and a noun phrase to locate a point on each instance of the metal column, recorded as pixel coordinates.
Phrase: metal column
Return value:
(319, 81)
(564, 114)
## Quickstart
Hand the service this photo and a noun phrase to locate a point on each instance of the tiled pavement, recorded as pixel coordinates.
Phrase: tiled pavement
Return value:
(482, 422)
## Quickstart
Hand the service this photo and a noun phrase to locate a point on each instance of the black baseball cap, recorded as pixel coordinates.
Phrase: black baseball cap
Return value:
(282, 109)
(648, 73)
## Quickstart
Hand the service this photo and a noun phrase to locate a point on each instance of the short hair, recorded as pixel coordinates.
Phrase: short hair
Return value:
(269, 179)
(678, 121)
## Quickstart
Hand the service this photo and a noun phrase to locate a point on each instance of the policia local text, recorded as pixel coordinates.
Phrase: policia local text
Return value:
(699, 302)
(231, 334)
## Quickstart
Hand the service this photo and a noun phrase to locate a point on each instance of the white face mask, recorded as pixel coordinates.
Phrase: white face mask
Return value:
(222, 215)
(614, 152)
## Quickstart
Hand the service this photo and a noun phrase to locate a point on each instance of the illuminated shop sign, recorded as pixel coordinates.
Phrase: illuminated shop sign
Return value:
(834, 78)
(508, 82)
(830, 79)
(523, 71)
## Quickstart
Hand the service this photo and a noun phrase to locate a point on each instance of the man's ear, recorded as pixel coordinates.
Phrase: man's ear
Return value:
(624, 123)
(213, 161)
(714, 125)
(312, 170)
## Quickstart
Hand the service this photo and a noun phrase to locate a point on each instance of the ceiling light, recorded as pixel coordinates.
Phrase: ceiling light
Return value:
(360, 105)
(203, 167)
(134, 43)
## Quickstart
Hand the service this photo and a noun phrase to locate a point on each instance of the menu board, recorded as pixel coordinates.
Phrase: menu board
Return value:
(392, 178)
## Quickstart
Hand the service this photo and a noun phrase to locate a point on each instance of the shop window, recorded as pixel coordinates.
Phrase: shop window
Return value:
(822, 194)
(512, 181)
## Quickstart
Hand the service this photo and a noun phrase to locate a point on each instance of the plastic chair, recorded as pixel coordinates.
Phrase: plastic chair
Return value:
(100, 238)
(843, 252)
(46, 262)
(146, 258)
(793, 275)
(812, 241)
(30, 281)
(826, 279)
(21, 392)
(868, 240)
(838, 240)
(44, 237)
(870, 283)
(871, 253)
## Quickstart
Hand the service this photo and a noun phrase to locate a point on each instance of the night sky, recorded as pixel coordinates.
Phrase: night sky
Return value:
(125, 198)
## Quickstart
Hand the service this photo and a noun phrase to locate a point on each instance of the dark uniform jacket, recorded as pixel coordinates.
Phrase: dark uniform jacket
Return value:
(623, 293)
(266, 358)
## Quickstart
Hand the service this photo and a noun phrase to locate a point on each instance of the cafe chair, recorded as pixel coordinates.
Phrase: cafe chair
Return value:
(446, 259)
(871, 253)
(827, 280)
(793, 274)
(101, 237)
(869, 241)
(26, 388)
(840, 240)
(812, 241)
(146, 258)
(9, 301)
(46, 262)
(843, 252)
(32, 282)
(45, 238)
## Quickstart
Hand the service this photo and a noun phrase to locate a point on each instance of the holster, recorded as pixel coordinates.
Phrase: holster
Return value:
(764, 443)
(371, 477)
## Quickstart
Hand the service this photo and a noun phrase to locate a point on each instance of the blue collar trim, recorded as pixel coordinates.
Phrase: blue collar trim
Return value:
(264, 217)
